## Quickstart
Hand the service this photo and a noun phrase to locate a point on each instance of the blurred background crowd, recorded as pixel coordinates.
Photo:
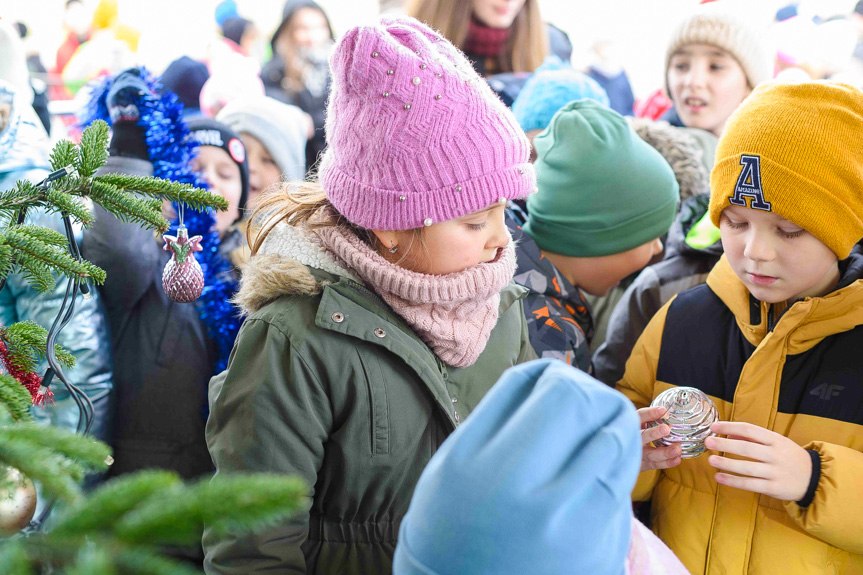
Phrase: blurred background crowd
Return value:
(215, 51)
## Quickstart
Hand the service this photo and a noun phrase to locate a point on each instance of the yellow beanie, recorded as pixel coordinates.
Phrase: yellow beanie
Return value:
(794, 149)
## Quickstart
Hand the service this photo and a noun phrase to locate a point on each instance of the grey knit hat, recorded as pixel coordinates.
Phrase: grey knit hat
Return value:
(281, 128)
(713, 25)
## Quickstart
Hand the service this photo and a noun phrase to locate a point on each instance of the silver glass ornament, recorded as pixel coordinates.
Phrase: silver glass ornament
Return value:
(690, 415)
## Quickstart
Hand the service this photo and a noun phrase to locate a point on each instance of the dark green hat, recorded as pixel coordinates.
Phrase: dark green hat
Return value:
(602, 189)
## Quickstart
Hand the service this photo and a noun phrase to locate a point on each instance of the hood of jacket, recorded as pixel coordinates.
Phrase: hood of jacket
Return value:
(691, 211)
(288, 263)
(292, 7)
(836, 312)
(24, 145)
(682, 152)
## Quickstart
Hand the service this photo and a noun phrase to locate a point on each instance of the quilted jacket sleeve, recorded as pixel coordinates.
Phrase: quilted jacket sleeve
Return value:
(269, 413)
(836, 513)
(638, 384)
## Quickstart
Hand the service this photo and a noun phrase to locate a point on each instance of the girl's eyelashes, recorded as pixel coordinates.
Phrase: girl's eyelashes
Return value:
(735, 225)
(477, 227)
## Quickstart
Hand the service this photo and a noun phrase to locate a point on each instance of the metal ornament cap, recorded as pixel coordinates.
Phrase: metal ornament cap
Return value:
(690, 415)
(182, 278)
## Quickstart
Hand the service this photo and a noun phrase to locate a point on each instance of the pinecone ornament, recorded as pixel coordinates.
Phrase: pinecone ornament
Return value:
(183, 278)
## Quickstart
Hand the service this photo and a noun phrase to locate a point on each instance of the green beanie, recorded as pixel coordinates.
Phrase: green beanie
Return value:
(602, 189)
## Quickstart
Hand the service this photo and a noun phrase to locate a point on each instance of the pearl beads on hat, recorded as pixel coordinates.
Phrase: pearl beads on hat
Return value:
(427, 222)
(416, 81)
(501, 200)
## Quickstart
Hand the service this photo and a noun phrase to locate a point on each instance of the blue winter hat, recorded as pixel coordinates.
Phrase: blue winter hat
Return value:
(552, 87)
(537, 480)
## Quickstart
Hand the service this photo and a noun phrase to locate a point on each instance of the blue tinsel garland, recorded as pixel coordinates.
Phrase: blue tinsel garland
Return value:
(171, 153)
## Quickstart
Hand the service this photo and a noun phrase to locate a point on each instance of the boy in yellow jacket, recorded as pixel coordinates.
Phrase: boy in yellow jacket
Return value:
(776, 339)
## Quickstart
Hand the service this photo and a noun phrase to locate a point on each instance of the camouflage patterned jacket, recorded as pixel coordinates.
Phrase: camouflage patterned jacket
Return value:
(559, 321)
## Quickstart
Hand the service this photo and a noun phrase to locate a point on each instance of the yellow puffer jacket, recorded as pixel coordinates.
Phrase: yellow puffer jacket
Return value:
(799, 373)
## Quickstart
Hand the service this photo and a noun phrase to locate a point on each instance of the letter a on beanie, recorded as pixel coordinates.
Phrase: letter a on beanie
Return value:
(749, 184)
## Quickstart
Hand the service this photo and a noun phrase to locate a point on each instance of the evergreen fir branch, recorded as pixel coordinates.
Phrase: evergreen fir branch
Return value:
(27, 341)
(25, 194)
(145, 562)
(63, 154)
(58, 475)
(112, 500)
(222, 503)
(37, 275)
(44, 235)
(82, 449)
(14, 559)
(93, 149)
(92, 559)
(32, 252)
(7, 260)
(15, 398)
(195, 198)
(127, 207)
(65, 203)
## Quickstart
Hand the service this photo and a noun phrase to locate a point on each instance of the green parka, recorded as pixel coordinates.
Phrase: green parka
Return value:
(328, 383)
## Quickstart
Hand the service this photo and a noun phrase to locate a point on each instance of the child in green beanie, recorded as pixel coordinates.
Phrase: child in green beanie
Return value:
(604, 199)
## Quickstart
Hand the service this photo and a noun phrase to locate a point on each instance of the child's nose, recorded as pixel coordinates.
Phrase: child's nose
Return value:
(697, 75)
(758, 248)
(500, 237)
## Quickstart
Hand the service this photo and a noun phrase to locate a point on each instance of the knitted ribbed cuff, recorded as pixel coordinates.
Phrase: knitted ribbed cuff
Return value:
(554, 234)
(813, 480)
(381, 209)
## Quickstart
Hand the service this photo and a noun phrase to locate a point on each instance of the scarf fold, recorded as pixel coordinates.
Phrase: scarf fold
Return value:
(453, 314)
(484, 41)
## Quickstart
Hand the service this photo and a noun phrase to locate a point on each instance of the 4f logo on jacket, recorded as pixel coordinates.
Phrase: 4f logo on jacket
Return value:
(825, 391)
(749, 185)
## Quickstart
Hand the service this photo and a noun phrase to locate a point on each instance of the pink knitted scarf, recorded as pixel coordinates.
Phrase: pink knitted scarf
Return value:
(453, 314)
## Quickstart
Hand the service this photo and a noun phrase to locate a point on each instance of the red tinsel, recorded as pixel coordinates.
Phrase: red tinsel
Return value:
(30, 381)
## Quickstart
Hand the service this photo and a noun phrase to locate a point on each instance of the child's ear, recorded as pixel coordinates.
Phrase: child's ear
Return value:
(387, 238)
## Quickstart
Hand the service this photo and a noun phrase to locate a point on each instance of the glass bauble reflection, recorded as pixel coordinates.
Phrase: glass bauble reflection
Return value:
(690, 415)
(17, 502)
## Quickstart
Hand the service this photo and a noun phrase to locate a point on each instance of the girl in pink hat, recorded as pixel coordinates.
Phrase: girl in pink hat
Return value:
(379, 301)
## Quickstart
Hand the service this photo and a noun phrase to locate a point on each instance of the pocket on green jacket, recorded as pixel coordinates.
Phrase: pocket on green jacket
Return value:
(378, 404)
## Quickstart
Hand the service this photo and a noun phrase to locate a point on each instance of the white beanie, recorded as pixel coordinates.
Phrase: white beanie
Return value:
(714, 25)
(281, 128)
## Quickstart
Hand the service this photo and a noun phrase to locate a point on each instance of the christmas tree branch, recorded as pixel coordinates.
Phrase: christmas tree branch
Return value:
(34, 255)
(195, 198)
(80, 448)
(127, 207)
(220, 503)
(126, 520)
(26, 342)
(15, 398)
(93, 149)
(112, 500)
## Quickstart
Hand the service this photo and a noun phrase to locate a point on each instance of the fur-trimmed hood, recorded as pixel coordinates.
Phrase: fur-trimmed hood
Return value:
(682, 152)
(283, 267)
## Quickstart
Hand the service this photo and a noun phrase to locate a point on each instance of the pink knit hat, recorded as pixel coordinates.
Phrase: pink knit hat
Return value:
(415, 136)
